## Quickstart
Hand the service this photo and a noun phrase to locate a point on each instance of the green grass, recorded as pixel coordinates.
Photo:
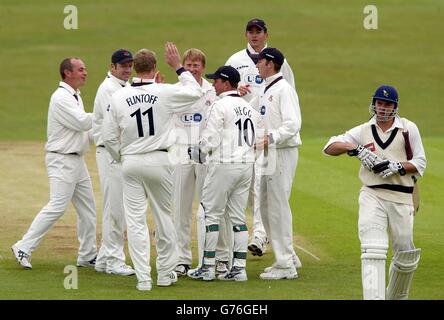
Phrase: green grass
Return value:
(337, 65)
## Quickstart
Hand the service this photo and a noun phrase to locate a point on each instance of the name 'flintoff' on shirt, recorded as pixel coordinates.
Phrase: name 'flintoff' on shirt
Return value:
(141, 98)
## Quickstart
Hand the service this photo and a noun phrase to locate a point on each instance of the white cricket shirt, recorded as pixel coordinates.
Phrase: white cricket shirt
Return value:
(279, 106)
(249, 74)
(68, 123)
(230, 131)
(189, 124)
(140, 118)
(103, 99)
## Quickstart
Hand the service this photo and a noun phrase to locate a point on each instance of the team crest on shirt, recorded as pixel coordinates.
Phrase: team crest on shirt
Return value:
(208, 103)
(270, 98)
(191, 117)
(263, 110)
(370, 146)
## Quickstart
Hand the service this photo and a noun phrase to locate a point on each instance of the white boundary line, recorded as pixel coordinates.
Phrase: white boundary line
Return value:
(307, 252)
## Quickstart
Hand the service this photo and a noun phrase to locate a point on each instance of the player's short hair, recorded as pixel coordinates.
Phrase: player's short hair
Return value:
(66, 64)
(144, 61)
(194, 54)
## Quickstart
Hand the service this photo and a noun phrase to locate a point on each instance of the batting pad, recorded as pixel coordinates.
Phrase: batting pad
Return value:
(373, 271)
(374, 246)
(402, 268)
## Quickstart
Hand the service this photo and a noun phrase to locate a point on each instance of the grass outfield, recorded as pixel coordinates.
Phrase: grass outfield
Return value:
(324, 202)
(337, 65)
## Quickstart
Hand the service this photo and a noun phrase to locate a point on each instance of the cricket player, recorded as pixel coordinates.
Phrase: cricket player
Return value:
(111, 257)
(69, 180)
(279, 105)
(189, 175)
(252, 85)
(228, 140)
(138, 132)
(392, 156)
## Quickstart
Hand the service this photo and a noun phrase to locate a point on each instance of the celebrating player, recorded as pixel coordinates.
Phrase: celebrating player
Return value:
(228, 139)
(111, 257)
(279, 105)
(189, 175)
(138, 132)
(392, 156)
(253, 85)
(69, 179)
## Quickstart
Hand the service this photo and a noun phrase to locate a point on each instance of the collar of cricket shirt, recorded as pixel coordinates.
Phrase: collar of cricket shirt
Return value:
(229, 93)
(142, 81)
(251, 50)
(70, 89)
(121, 82)
(396, 124)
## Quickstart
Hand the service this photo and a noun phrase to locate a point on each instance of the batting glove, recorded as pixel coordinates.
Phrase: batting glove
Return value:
(368, 158)
(196, 154)
(388, 168)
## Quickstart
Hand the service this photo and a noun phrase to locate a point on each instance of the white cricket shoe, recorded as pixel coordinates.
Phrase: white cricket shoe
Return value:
(100, 268)
(121, 270)
(206, 273)
(182, 269)
(144, 285)
(166, 280)
(279, 273)
(222, 267)
(235, 274)
(87, 264)
(258, 246)
(296, 262)
(22, 257)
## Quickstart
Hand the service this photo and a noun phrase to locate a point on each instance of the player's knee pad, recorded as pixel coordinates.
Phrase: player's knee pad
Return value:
(374, 246)
(402, 268)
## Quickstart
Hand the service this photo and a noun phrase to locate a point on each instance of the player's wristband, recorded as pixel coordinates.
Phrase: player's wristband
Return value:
(355, 152)
(180, 71)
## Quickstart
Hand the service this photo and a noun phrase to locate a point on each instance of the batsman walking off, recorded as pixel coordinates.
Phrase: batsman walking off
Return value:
(392, 156)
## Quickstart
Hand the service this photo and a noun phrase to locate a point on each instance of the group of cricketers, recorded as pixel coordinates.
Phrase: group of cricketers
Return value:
(231, 144)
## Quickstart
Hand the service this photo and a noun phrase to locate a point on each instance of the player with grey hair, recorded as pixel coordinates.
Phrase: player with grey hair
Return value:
(138, 132)
(392, 156)
(69, 179)
(111, 258)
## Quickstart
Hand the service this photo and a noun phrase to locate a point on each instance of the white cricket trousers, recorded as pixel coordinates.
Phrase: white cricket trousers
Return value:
(392, 218)
(188, 178)
(148, 178)
(253, 202)
(225, 193)
(69, 180)
(111, 252)
(275, 190)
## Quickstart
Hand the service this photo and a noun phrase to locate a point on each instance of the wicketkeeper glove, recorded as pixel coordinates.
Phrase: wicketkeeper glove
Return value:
(388, 168)
(368, 158)
(196, 154)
